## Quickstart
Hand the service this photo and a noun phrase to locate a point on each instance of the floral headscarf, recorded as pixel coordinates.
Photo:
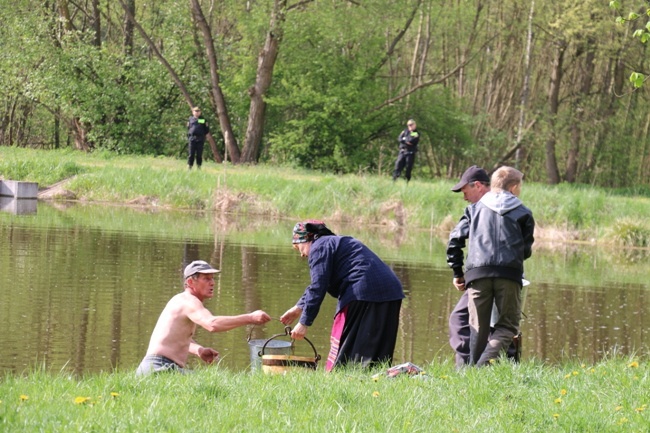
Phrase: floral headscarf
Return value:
(309, 230)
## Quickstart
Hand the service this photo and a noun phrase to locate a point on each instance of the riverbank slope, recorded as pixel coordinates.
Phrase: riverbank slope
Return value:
(575, 213)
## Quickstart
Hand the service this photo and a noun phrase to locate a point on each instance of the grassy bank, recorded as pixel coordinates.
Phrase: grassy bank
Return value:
(563, 212)
(611, 396)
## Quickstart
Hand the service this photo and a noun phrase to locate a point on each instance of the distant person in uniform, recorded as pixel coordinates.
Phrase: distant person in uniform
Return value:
(197, 129)
(172, 340)
(408, 146)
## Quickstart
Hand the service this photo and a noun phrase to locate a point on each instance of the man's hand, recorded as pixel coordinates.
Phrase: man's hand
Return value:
(259, 317)
(208, 354)
(291, 315)
(299, 332)
(459, 283)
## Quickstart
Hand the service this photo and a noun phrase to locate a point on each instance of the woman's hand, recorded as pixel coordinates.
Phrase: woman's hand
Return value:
(299, 332)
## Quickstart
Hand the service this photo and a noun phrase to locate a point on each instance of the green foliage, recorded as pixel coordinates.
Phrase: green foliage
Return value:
(642, 34)
(321, 103)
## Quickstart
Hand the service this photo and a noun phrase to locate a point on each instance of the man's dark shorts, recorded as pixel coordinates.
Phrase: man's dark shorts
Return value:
(156, 364)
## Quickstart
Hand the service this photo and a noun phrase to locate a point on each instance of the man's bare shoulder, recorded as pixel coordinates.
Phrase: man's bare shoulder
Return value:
(184, 301)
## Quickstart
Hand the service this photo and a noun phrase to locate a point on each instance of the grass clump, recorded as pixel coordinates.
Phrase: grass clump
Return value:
(43, 170)
(612, 395)
(630, 234)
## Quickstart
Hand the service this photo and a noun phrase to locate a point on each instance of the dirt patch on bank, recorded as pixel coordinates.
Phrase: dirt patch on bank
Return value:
(226, 201)
(57, 191)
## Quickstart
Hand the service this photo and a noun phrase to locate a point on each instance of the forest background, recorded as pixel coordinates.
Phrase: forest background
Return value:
(552, 87)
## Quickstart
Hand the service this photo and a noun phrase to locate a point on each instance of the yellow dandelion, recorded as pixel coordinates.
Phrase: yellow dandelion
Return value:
(375, 394)
(566, 376)
(583, 366)
(492, 361)
(556, 415)
(618, 408)
(81, 400)
(575, 373)
(633, 364)
(558, 400)
(24, 397)
(563, 391)
(114, 394)
(593, 370)
(640, 409)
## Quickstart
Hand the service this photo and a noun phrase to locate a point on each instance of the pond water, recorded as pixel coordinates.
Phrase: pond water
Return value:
(82, 286)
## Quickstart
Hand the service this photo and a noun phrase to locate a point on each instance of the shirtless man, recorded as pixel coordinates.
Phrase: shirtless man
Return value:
(172, 339)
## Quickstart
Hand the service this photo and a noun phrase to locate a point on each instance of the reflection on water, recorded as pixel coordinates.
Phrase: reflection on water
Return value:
(81, 289)
(23, 206)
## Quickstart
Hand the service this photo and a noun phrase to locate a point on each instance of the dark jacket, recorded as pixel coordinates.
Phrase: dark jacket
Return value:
(500, 232)
(348, 270)
(408, 140)
(197, 129)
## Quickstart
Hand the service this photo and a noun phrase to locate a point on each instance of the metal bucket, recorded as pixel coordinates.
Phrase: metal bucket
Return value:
(282, 364)
(275, 347)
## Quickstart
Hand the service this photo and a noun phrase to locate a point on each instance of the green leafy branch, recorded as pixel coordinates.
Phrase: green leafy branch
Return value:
(642, 34)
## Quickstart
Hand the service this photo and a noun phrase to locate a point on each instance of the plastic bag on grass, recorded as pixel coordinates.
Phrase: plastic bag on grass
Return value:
(406, 368)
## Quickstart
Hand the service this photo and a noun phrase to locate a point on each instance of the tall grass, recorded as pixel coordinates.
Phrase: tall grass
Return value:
(578, 212)
(611, 396)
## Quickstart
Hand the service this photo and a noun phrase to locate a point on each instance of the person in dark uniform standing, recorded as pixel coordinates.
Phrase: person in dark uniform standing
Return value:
(408, 145)
(197, 129)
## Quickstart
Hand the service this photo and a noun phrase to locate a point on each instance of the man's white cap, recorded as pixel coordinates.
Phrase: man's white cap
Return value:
(199, 267)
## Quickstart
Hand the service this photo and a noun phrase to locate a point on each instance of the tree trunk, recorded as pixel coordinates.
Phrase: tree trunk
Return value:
(265, 65)
(573, 157)
(519, 155)
(97, 24)
(64, 12)
(217, 94)
(552, 171)
(128, 27)
(79, 132)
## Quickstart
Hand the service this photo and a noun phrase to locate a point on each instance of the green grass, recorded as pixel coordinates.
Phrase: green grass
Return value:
(569, 212)
(611, 396)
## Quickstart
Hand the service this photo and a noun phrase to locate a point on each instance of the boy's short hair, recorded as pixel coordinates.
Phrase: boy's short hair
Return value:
(505, 178)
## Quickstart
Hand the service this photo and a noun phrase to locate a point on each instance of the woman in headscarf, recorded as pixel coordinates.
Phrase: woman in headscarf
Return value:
(368, 291)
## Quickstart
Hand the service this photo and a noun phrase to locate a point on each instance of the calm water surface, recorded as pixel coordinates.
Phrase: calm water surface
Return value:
(82, 287)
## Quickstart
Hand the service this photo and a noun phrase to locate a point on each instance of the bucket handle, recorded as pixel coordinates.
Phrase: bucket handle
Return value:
(287, 331)
(250, 333)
